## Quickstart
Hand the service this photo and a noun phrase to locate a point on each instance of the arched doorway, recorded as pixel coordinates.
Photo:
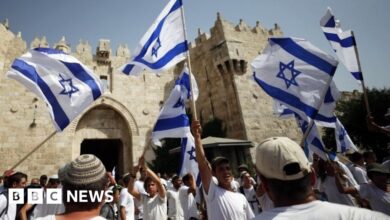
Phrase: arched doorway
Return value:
(104, 132)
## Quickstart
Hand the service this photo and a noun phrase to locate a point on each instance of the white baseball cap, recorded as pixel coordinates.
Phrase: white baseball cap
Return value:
(281, 158)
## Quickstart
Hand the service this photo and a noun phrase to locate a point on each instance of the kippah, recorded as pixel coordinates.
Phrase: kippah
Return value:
(85, 169)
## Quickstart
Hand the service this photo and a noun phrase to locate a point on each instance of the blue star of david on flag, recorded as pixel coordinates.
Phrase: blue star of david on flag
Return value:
(191, 153)
(342, 134)
(156, 47)
(179, 103)
(68, 87)
(294, 73)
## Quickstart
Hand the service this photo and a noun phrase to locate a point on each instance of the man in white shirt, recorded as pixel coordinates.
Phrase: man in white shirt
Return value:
(175, 211)
(375, 192)
(17, 180)
(357, 168)
(126, 210)
(187, 195)
(222, 202)
(288, 178)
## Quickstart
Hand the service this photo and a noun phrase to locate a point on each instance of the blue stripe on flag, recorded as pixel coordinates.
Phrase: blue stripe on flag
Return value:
(182, 153)
(49, 50)
(346, 42)
(128, 68)
(357, 75)
(79, 72)
(328, 96)
(286, 97)
(157, 31)
(179, 48)
(331, 22)
(172, 123)
(294, 49)
(29, 72)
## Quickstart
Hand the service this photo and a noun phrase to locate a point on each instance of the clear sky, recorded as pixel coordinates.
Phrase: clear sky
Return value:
(125, 21)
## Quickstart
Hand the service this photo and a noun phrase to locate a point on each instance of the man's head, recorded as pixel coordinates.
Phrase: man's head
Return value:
(86, 172)
(357, 158)
(17, 180)
(187, 179)
(378, 174)
(53, 182)
(284, 170)
(246, 179)
(221, 170)
(369, 157)
(150, 186)
(34, 181)
(43, 180)
(176, 181)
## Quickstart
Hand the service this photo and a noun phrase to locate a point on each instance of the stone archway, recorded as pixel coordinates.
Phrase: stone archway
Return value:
(103, 130)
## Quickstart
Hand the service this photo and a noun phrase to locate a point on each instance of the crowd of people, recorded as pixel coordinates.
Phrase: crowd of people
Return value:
(284, 185)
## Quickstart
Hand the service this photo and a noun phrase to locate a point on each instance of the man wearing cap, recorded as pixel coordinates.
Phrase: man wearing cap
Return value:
(288, 179)
(85, 173)
(222, 202)
(376, 192)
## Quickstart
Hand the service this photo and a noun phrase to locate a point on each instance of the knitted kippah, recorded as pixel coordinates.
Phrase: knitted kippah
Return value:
(85, 169)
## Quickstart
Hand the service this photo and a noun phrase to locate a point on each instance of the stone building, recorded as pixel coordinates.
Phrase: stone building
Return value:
(117, 125)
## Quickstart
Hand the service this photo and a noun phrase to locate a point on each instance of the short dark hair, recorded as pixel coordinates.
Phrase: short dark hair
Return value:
(175, 177)
(126, 179)
(15, 178)
(74, 206)
(291, 189)
(147, 181)
(218, 161)
(186, 178)
(43, 177)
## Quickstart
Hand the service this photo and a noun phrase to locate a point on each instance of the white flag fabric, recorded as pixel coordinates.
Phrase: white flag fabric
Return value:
(64, 83)
(173, 121)
(163, 45)
(188, 163)
(343, 141)
(297, 74)
(342, 42)
(313, 142)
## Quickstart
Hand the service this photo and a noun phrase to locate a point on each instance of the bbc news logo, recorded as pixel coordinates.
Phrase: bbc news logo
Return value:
(54, 196)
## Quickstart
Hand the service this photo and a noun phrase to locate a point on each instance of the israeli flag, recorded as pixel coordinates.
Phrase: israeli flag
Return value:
(331, 97)
(297, 74)
(313, 142)
(342, 42)
(343, 141)
(64, 83)
(188, 162)
(173, 121)
(163, 45)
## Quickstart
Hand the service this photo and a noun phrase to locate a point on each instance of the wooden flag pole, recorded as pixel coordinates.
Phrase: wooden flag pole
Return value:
(33, 150)
(193, 106)
(363, 86)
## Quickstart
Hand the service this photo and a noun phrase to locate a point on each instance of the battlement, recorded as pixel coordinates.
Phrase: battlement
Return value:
(223, 30)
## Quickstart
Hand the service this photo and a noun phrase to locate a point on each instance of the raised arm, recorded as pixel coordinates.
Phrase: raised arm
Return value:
(204, 166)
(155, 178)
(130, 187)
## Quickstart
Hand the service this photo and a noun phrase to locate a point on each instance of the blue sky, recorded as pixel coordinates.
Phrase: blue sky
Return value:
(125, 21)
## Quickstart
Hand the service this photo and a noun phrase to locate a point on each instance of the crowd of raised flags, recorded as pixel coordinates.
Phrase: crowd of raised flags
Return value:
(295, 73)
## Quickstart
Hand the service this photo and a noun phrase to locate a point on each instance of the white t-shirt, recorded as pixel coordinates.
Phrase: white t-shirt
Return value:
(53, 217)
(329, 187)
(265, 202)
(139, 185)
(175, 211)
(188, 203)
(154, 208)
(379, 199)
(359, 174)
(348, 173)
(11, 212)
(250, 195)
(320, 211)
(126, 200)
(223, 204)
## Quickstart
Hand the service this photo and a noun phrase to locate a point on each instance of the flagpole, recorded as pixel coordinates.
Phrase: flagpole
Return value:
(311, 123)
(193, 107)
(33, 150)
(360, 70)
